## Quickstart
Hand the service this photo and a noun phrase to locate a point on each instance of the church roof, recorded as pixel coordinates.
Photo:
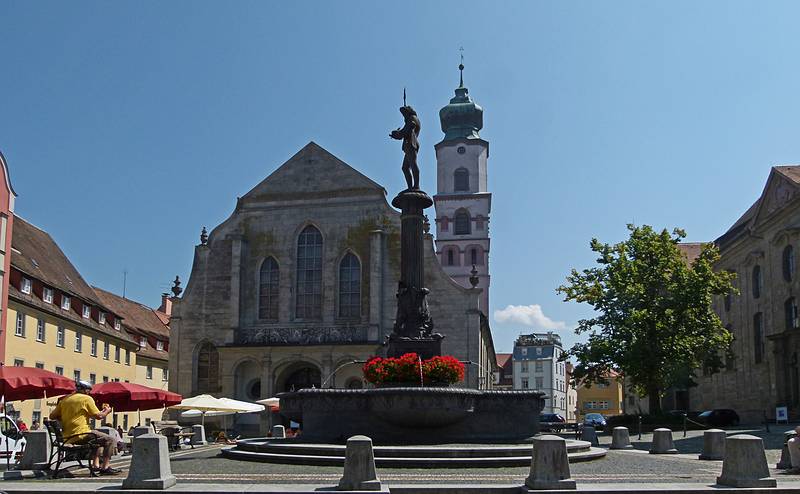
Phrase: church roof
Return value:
(787, 174)
(312, 173)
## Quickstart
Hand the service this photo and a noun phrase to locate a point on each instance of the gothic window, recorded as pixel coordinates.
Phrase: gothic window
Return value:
(463, 226)
(350, 287)
(269, 277)
(758, 281)
(758, 337)
(461, 180)
(790, 310)
(207, 369)
(309, 274)
(788, 263)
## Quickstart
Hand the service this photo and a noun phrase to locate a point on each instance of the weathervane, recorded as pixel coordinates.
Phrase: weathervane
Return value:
(461, 67)
(404, 96)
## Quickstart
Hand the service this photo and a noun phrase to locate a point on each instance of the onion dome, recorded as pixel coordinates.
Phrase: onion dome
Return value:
(462, 118)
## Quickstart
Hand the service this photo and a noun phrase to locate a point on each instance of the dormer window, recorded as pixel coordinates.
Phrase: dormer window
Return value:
(87, 311)
(25, 286)
(143, 341)
(65, 302)
(117, 324)
(47, 295)
(101, 318)
(159, 345)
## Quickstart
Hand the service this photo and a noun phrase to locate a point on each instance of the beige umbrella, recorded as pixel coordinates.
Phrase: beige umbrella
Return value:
(270, 402)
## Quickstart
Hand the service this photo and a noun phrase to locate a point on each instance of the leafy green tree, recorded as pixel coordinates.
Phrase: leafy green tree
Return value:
(654, 318)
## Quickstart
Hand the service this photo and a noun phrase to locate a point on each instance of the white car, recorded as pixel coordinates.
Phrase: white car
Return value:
(12, 443)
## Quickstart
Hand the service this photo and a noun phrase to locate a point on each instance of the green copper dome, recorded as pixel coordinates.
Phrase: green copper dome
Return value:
(462, 118)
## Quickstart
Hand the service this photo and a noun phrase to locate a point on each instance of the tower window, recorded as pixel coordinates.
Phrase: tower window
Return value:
(461, 180)
(463, 222)
(450, 257)
(473, 255)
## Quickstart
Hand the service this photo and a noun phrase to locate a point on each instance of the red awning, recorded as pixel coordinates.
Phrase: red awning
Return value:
(130, 397)
(27, 383)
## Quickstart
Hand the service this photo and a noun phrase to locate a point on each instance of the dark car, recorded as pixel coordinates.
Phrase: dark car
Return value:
(595, 420)
(551, 422)
(719, 417)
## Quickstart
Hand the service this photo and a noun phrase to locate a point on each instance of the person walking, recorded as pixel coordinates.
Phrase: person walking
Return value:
(74, 412)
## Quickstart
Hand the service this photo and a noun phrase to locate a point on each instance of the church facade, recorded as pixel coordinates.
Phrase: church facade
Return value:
(298, 286)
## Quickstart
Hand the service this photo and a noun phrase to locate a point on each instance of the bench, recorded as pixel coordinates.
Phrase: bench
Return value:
(62, 450)
(174, 433)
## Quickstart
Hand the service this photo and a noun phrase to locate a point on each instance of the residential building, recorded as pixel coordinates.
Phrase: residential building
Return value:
(504, 375)
(463, 201)
(537, 366)
(7, 198)
(57, 322)
(762, 368)
(572, 395)
(604, 398)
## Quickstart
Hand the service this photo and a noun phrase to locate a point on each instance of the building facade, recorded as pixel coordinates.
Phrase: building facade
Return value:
(504, 375)
(56, 321)
(297, 287)
(7, 198)
(761, 371)
(536, 366)
(463, 201)
(572, 395)
(604, 398)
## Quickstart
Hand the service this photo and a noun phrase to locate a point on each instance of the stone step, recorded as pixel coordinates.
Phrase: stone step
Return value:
(405, 462)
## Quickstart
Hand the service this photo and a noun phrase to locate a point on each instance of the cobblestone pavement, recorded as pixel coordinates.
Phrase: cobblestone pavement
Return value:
(205, 465)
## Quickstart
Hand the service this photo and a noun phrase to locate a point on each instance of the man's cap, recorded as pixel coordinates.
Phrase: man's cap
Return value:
(82, 386)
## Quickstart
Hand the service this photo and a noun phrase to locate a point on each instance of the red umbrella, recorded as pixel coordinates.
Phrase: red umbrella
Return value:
(27, 383)
(130, 397)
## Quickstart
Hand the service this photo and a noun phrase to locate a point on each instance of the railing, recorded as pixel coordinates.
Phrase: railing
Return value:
(338, 335)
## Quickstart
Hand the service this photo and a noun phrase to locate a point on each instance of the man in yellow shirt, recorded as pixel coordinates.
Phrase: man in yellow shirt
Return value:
(74, 412)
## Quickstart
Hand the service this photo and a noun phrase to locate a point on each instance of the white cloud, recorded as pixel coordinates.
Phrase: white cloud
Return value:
(528, 315)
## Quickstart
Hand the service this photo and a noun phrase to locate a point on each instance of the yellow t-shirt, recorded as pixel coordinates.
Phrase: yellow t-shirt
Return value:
(74, 412)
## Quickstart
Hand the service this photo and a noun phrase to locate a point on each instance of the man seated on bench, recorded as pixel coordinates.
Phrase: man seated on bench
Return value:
(74, 412)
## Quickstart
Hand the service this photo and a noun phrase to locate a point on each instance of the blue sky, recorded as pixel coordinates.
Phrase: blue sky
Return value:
(128, 126)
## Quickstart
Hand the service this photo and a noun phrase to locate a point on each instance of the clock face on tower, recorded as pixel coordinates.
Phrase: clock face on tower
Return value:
(461, 150)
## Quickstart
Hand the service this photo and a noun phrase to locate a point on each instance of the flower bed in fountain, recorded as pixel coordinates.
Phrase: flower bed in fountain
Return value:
(410, 369)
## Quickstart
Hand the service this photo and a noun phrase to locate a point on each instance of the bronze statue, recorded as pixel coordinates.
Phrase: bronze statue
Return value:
(408, 134)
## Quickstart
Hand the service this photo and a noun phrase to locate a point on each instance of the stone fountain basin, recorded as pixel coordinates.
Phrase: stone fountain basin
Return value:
(418, 415)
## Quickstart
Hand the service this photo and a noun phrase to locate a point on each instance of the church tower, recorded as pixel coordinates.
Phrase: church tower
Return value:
(462, 199)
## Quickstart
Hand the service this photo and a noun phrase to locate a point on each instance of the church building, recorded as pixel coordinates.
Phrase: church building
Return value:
(297, 287)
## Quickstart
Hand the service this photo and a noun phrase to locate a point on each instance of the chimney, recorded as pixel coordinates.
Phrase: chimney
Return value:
(166, 304)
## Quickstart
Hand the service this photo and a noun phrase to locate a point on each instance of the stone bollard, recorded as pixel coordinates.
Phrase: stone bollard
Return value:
(620, 438)
(785, 462)
(549, 464)
(278, 432)
(359, 466)
(662, 442)
(150, 467)
(745, 463)
(794, 451)
(590, 434)
(713, 445)
(199, 437)
(37, 451)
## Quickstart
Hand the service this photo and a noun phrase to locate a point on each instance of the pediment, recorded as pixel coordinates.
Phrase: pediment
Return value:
(779, 191)
(312, 173)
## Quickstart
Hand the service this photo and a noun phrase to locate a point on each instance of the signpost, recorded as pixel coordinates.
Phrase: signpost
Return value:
(781, 415)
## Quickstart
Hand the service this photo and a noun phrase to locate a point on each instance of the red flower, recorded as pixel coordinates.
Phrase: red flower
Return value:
(410, 369)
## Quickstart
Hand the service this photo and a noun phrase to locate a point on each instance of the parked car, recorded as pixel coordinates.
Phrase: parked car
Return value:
(12, 443)
(719, 417)
(551, 422)
(595, 420)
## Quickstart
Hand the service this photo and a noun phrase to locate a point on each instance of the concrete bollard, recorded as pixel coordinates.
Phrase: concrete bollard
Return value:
(745, 463)
(199, 437)
(549, 464)
(150, 467)
(794, 451)
(785, 462)
(359, 466)
(662, 442)
(37, 451)
(713, 445)
(278, 432)
(588, 433)
(620, 438)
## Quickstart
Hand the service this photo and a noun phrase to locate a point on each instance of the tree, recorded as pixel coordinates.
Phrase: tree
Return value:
(654, 318)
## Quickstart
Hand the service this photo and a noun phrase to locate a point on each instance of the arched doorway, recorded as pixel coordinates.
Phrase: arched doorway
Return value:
(305, 377)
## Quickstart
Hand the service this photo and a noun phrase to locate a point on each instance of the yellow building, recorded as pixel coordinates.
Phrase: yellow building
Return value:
(603, 398)
(56, 321)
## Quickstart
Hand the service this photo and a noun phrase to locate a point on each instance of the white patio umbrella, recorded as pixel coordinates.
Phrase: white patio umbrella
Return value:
(270, 402)
(207, 403)
(246, 407)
